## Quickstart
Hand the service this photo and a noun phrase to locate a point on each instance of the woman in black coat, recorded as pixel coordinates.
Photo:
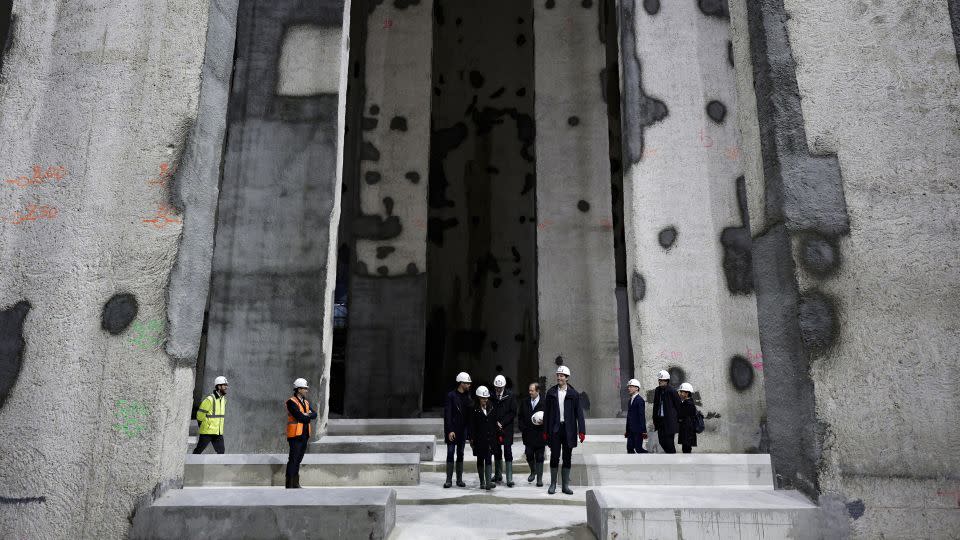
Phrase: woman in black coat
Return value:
(533, 443)
(483, 436)
(685, 418)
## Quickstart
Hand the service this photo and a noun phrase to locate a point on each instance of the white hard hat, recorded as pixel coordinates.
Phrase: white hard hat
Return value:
(537, 418)
(633, 382)
(499, 381)
(563, 369)
(664, 375)
(220, 380)
(463, 376)
(482, 391)
(686, 387)
(300, 383)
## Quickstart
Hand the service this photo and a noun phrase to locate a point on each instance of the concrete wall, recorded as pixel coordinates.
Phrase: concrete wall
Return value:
(577, 306)
(856, 257)
(386, 190)
(686, 216)
(279, 206)
(99, 102)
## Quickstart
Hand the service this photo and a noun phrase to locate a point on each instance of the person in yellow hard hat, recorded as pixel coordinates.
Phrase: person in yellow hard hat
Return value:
(299, 415)
(211, 415)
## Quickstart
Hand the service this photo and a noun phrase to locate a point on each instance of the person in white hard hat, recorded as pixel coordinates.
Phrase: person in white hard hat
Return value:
(636, 431)
(666, 405)
(685, 419)
(505, 405)
(211, 415)
(530, 419)
(563, 421)
(456, 416)
(299, 415)
(483, 436)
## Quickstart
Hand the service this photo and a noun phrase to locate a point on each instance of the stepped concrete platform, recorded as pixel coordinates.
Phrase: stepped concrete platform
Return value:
(423, 445)
(268, 513)
(594, 444)
(434, 426)
(701, 513)
(315, 470)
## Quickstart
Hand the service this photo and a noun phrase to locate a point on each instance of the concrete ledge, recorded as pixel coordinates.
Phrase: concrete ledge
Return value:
(315, 470)
(385, 426)
(263, 513)
(424, 445)
(673, 513)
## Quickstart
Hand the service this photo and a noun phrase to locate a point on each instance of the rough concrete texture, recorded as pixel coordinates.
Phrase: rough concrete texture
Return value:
(385, 221)
(687, 222)
(315, 470)
(422, 445)
(271, 290)
(883, 340)
(98, 101)
(577, 305)
(268, 514)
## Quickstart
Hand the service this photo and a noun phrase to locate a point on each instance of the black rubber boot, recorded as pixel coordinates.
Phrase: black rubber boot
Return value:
(289, 483)
(509, 466)
(490, 483)
(565, 476)
(553, 481)
(483, 479)
(533, 470)
(449, 482)
(540, 474)
(460, 482)
(296, 481)
(497, 476)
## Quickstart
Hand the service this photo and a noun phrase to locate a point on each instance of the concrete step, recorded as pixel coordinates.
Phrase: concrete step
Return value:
(739, 470)
(434, 426)
(268, 513)
(594, 444)
(708, 513)
(423, 445)
(315, 470)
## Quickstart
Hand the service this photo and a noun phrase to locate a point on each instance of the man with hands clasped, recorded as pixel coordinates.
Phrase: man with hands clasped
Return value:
(563, 419)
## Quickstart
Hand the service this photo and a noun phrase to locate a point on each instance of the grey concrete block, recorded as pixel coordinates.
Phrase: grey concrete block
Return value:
(259, 513)
(423, 445)
(385, 426)
(668, 513)
(742, 470)
(315, 470)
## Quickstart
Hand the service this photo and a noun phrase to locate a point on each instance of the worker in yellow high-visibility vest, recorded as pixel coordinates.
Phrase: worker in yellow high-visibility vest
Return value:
(211, 414)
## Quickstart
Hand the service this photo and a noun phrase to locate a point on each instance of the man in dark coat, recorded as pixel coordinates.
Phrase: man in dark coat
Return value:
(666, 404)
(636, 430)
(456, 417)
(563, 419)
(686, 417)
(483, 433)
(533, 432)
(505, 405)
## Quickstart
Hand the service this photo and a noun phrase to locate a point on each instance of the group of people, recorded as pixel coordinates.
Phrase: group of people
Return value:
(555, 420)
(488, 425)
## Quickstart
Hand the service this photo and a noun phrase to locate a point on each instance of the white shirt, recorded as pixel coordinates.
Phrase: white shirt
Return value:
(561, 395)
(632, 398)
(484, 411)
(534, 401)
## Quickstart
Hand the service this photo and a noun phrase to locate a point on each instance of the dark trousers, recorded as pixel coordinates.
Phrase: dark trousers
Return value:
(204, 440)
(505, 450)
(298, 447)
(686, 448)
(455, 447)
(558, 443)
(635, 443)
(534, 455)
(666, 442)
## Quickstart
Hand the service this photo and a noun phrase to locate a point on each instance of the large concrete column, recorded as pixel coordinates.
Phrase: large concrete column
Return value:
(388, 196)
(688, 243)
(279, 207)
(856, 253)
(575, 269)
(97, 102)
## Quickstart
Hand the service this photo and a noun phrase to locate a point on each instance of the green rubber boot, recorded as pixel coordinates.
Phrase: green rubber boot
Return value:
(449, 482)
(509, 474)
(490, 483)
(539, 474)
(460, 482)
(553, 481)
(565, 476)
(497, 476)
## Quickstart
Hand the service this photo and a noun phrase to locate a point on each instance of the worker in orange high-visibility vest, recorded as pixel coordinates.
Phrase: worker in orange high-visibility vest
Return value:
(299, 415)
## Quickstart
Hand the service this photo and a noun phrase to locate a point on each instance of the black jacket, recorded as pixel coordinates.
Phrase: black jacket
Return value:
(532, 434)
(636, 417)
(667, 423)
(483, 431)
(506, 409)
(456, 416)
(688, 432)
(573, 422)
